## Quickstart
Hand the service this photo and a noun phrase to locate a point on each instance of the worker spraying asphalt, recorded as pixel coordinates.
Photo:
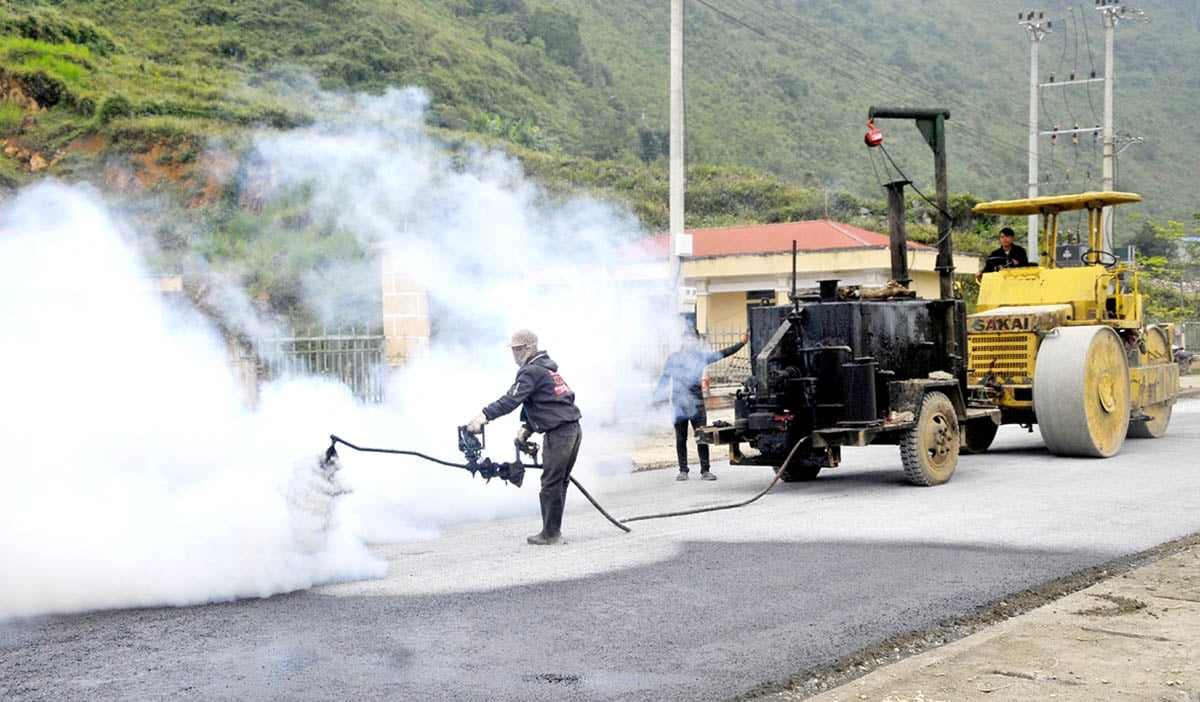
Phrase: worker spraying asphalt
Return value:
(547, 407)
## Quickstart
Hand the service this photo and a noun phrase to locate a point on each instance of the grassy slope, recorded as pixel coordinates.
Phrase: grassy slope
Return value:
(779, 86)
(782, 87)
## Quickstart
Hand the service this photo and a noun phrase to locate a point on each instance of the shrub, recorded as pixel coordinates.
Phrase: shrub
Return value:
(114, 106)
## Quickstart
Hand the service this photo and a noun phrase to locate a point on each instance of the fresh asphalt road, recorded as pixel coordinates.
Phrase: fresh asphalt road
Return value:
(695, 607)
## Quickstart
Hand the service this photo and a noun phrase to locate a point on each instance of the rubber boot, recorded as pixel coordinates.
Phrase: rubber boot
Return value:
(543, 539)
(550, 533)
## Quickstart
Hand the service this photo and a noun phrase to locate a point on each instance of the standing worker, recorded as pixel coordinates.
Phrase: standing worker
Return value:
(1009, 255)
(548, 408)
(684, 370)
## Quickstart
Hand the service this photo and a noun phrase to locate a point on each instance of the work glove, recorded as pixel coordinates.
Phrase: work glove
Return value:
(476, 424)
(523, 434)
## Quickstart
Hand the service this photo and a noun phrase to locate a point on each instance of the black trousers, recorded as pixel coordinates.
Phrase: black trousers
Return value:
(697, 420)
(559, 451)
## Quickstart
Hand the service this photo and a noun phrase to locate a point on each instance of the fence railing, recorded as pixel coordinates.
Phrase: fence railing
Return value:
(356, 360)
(734, 369)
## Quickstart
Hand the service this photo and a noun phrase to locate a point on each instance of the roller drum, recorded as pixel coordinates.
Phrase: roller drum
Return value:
(1081, 391)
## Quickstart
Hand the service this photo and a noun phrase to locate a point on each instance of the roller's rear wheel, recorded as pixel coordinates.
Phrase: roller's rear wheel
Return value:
(1081, 391)
(1158, 350)
(1156, 426)
(929, 451)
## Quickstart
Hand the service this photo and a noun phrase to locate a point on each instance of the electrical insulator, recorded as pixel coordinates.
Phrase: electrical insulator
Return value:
(873, 137)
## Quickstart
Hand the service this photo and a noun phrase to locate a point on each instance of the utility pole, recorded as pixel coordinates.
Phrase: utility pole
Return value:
(1035, 31)
(680, 243)
(1111, 12)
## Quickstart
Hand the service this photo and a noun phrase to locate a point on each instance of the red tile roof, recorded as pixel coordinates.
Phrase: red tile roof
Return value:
(812, 235)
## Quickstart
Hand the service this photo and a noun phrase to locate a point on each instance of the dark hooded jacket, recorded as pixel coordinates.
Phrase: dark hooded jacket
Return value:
(548, 401)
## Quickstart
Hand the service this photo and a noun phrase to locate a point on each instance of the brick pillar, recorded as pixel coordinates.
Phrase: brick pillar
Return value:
(405, 311)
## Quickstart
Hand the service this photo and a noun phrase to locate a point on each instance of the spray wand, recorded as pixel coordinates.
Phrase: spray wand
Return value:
(472, 448)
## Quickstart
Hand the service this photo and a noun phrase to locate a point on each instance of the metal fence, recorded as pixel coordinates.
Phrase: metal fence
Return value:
(356, 360)
(732, 370)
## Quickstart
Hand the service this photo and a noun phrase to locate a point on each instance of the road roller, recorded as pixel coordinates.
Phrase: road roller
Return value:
(1062, 342)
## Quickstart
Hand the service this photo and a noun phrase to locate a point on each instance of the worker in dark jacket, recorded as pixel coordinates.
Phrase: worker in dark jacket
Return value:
(547, 407)
(1008, 255)
(684, 371)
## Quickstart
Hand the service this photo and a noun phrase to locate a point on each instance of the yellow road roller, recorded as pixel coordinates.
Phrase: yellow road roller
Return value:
(1061, 343)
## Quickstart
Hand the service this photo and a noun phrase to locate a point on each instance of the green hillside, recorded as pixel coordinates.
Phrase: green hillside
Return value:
(781, 87)
(785, 87)
(134, 95)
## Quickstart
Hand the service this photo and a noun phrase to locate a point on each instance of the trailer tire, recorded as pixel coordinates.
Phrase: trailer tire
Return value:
(978, 435)
(929, 451)
(804, 470)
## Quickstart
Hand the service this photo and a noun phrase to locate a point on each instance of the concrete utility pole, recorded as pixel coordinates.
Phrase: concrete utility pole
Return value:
(1111, 12)
(681, 243)
(1035, 31)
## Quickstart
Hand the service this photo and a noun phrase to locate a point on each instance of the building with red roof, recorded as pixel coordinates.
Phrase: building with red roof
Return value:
(733, 268)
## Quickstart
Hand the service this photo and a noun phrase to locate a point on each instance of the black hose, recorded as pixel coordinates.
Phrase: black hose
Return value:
(620, 524)
(334, 440)
(338, 440)
(716, 508)
(596, 504)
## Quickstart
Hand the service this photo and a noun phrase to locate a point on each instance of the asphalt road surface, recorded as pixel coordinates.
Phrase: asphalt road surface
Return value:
(697, 607)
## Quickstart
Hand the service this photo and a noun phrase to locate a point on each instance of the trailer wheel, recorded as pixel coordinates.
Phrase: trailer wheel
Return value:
(1081, 391)
(803, 470)
(929, 451)
(978, 436)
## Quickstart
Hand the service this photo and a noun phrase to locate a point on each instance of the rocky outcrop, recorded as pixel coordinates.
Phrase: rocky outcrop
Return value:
(18, 91)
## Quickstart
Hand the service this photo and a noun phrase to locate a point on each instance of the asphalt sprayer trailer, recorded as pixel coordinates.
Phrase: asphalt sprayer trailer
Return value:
(853, 366)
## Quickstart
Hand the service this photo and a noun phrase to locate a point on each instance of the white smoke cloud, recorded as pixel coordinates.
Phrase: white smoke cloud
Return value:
(134, 474)
(493, 252)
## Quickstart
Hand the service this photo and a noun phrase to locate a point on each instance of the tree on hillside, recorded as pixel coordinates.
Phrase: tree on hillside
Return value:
(1171, 264)
(560, 31)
